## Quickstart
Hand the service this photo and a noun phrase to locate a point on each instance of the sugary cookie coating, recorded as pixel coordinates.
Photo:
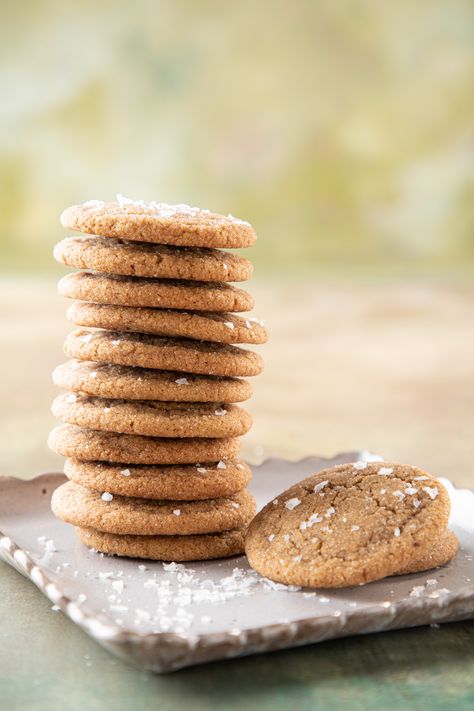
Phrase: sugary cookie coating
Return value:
(171, 548)
(178, 481)
(349, 525)
(158, 222)
(152, 418)
(143, 351)
(116, 256)
(200, 325)
(120, 381)
(83, 507)
(81, 443)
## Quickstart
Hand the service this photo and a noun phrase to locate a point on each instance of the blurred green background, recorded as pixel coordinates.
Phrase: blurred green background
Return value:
(344, 131)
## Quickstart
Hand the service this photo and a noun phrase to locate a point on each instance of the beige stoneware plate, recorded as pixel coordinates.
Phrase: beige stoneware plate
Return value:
(163, 617)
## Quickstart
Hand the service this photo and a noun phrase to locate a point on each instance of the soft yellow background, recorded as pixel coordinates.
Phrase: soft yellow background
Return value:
(344, 131)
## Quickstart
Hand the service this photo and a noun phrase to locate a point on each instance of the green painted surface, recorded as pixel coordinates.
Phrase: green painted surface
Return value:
(47, 663)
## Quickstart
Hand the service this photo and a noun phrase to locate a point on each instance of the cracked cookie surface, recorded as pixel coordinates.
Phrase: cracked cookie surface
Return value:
(349, 525)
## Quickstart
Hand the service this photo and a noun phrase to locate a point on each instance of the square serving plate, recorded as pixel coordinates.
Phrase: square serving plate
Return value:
(163, 617)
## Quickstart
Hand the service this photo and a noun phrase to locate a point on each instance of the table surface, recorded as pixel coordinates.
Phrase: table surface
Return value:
(387, 367)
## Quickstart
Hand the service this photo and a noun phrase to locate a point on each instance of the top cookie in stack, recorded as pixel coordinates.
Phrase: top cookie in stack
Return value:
(150, 419)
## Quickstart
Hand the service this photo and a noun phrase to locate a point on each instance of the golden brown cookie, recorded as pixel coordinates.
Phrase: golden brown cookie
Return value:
(188, 482)
(152, 418)
(118, 381)
(123, 515)
(179, 225)
(169, 548)
(204, 326)
(157, 293)
(349, 525)
(117, 256)
(73, 441)
(138, 350)
(442, 552)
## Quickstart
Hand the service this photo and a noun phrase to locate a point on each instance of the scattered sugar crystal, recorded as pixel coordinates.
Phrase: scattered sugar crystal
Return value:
(182, 381)
(106, 496)
(93, 375)
(106, 409)
(396, 532)
(240, 466)
(220, 411)
(297, 558)
(410, 490)
(360, 465)
(330, 512)
(421, 478)
(355, 528)
(431, 581)
(221, 465)
(202, 470)
(235, 505)
(274, 502)
(142, 567)
(385, 471)
(416, 503)
(383, 491)
(323, 599)
(291, 503)
(229, 324)
(431, 491)
(71, 398)
(319, 487)
(399, 495)
(125, 472)
(417, 591)
(115, 342)
(271, 537)
(286, 537)
(177, 512)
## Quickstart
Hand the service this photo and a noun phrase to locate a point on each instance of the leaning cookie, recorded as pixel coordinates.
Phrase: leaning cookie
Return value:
(73, 441)
(200, 325)
(442, 552)
(117, 256)
(156, 293)
(152, 418)
(121, 515)
(178, 481)
(205, 546)
(158, 222)
(349, 525)
(143, 351)
(122, 382)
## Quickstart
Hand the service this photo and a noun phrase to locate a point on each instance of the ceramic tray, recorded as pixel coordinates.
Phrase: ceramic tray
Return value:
(162, 617)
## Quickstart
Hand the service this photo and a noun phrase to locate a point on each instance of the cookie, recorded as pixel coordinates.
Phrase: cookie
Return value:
(188, 482)
(116, 256)
(204, 326)
(157, 293)
(144, 351)
(349, 525)
(152, 418)
(117, 381)
(73, 441)
(83, 507)
(169, 548)
(158, 222)
(442, 552)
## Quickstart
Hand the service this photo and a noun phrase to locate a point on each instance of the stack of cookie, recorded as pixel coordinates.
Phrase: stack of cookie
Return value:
(151, 431)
